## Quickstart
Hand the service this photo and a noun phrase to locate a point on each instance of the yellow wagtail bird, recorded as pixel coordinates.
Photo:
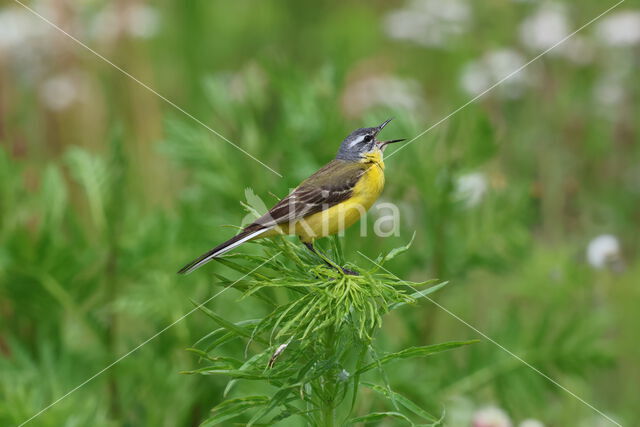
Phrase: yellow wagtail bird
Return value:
(327, 202)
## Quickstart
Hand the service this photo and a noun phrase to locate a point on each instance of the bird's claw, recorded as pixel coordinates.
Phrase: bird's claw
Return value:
(350, 272)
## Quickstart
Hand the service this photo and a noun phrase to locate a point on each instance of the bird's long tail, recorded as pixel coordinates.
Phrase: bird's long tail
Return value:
(221, 249)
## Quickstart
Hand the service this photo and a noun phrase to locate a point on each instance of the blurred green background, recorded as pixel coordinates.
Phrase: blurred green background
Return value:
(527, 201)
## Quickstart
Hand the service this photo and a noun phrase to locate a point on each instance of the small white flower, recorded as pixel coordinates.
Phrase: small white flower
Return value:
(603, 251)
(476, 77)
(105, 25)
(136, 20)
(382, 90)
(577, 49)
(25, 41)
(17, 27)
(491, 417)
(545, 27)
(471, 188)
(548, 28)
(494, 66)
(620, 29)
(428, 22)
(609, 90)
(143, 21)
(460, 411)
(597, 421)
(530, 422)
(59, 92)
(343, 376)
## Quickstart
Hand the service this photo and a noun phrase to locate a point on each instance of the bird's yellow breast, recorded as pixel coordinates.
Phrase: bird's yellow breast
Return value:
(341, 216)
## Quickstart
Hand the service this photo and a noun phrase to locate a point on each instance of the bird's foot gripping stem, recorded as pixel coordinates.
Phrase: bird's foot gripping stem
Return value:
(349, 272)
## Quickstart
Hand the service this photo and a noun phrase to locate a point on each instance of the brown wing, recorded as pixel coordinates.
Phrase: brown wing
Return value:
(330, 185)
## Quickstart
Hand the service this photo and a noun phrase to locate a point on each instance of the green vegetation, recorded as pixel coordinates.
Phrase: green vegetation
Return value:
(315, 344)
(106, 190)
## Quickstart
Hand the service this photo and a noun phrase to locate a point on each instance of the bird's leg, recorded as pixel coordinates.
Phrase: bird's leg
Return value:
(327, 261)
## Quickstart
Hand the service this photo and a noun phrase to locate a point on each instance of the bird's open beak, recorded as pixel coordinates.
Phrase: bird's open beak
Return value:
(382, 144)
(386, 122)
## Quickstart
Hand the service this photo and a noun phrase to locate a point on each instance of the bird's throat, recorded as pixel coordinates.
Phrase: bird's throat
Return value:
(375, 157)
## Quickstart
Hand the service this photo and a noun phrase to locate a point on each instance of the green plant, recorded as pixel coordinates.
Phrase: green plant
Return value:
(315, 344)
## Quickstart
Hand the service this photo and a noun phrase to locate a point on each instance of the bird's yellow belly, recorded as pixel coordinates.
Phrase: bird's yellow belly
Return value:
(341, 216)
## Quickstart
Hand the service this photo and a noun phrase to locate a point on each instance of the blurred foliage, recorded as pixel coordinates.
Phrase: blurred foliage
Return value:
(106, 189)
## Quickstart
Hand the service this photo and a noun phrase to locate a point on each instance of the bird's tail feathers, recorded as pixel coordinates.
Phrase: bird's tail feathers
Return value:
(235, 241)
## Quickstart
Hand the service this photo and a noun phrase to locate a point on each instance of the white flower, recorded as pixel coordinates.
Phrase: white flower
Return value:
(59, 92)
(620, 29)
(136, 20)
(343, 376)
(577, 49)
(545, 28)
(476, 77)
(471, 188)
(548, 28)
(609, 90)
(598, 421)
(24, 41)
(603, 251)
(382, 90)
(428, 22)
(494, 66)
(530, 422)
(491, 417)
(143, 21)
(27, 42)
(460, 411)
(19, 26)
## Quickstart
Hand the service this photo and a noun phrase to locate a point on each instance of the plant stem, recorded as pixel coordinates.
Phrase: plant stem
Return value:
(328, 414)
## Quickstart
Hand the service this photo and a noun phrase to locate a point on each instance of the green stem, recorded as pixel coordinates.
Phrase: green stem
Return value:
(328, 409)
(325, 258)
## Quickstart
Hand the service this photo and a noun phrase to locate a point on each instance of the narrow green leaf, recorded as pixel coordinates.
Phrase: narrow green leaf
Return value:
(280, 398)
(401, 400)
(239, 374)
(232, 327)
(416, 352)
(240, 268)
(232, 408)
(420, 294)
(396, 251)
(377, 416)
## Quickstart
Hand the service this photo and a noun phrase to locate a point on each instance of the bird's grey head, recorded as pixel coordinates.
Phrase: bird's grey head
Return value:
(362, 141)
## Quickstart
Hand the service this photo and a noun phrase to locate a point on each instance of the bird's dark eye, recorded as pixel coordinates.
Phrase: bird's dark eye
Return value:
(368, 138)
